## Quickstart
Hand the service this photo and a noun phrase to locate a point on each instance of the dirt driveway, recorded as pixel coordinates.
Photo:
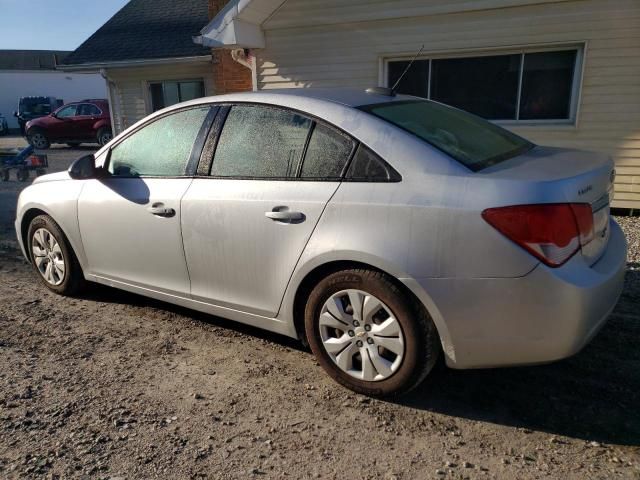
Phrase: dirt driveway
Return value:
(113, 385)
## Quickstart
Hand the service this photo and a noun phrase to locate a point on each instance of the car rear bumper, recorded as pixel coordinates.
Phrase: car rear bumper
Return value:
(546, 315)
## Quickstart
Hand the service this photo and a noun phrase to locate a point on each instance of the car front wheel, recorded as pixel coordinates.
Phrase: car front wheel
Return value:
(38, 139)
(368, 334)
(53, 258)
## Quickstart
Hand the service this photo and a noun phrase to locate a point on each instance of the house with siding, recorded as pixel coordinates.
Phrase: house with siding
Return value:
(564, 73)
(148, 60)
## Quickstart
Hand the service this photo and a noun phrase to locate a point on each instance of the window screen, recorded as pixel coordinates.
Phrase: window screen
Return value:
(161, 148)
(327, 153)
(260, 142)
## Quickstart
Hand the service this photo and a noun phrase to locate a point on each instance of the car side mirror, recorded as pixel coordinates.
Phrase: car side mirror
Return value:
(83, 168)
(15, 113)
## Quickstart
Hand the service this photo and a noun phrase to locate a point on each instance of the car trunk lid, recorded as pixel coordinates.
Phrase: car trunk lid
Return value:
(571, 176)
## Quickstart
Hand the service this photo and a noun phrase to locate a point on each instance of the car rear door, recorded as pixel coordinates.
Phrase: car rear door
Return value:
(130, 218)
(246, 223)
(82, 123)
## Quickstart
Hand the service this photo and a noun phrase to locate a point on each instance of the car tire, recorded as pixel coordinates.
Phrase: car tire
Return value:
(104, 136)
(400, 323)
(71, 281)
(38, 139)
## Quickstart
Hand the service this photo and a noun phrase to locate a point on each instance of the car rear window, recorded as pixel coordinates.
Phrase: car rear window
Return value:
(471, 140)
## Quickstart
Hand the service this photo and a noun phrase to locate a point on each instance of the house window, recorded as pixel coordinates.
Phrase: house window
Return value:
(527, 86)
(165, 94)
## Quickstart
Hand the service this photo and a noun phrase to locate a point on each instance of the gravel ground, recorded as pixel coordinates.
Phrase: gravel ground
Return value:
(113, 385)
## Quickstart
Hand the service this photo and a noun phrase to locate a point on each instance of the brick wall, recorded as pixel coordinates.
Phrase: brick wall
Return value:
(228, 75)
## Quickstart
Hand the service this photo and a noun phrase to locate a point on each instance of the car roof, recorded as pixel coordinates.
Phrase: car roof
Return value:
(349, 96)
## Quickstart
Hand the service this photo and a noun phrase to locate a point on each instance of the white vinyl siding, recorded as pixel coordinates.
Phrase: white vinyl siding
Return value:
(132, 88)
(330, 43)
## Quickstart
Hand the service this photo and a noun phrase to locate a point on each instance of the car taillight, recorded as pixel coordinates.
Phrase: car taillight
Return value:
(551, 232)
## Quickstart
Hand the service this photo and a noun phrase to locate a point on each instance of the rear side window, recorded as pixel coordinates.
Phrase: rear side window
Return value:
(161, 148)
(260, 142)
(366, 166)
(88, 109)
(472, 141)
(327, 153)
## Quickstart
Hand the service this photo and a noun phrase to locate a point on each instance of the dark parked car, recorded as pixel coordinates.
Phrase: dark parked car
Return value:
(87, 121)
(35, 107)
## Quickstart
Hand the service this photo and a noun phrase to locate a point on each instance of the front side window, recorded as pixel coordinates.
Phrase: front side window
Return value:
(68, 111)
(161, 148)
(522, 86)
(260, 142)
(467, 138)
(167, 93)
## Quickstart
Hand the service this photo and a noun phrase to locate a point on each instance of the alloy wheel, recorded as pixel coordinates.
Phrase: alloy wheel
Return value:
(361, 335)
(105, 138)
(38, 140)
(48, 256)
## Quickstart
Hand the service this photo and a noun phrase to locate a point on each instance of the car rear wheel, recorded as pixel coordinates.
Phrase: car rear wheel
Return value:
(38, 139)
(369, 335)
(53, 258)
(104, 136)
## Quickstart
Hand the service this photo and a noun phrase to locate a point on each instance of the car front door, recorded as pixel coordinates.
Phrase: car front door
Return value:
(130, 217)
(246, 224)
(62, 122)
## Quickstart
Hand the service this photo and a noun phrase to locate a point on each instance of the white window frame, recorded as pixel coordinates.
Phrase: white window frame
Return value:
(576, 87)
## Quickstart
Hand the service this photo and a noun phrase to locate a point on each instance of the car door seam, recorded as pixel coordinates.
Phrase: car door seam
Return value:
(286, 289)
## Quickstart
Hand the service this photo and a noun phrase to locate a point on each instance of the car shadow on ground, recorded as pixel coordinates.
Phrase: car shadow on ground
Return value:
(592, 396)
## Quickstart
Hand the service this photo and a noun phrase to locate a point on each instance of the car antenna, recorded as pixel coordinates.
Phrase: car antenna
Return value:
(391, 92)
(395, 85)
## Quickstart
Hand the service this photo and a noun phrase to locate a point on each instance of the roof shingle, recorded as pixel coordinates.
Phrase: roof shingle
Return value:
(146, 29)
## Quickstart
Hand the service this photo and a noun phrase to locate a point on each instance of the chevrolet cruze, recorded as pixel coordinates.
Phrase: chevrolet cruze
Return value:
(382, 229)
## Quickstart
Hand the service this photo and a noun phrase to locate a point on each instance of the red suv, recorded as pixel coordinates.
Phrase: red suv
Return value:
(87, 121)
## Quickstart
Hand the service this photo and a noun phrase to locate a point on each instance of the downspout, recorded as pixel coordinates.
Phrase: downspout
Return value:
(243, 57)
(113, 104)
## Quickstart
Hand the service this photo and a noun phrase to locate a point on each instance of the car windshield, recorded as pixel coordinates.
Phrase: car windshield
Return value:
(471, 140)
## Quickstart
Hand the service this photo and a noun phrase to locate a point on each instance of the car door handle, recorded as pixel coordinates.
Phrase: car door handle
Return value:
(283, 214)
(159, 210)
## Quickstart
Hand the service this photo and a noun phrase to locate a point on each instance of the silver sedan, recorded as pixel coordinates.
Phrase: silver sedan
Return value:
(382, 230)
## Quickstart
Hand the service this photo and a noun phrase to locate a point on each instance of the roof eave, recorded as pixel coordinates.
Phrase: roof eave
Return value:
(238, 25)
(94, 67)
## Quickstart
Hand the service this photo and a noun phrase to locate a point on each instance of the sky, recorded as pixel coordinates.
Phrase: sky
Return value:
(52, 24)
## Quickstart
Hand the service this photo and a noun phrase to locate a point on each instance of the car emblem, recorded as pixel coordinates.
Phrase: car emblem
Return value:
(586, 189)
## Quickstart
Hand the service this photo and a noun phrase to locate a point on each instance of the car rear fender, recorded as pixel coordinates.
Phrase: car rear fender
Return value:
(103, 122)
